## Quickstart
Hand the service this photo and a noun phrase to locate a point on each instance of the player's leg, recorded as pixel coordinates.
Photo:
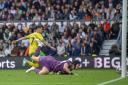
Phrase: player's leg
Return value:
(43, 71)
(32, 63)
(36, 53)
(35, 58)
(30, 69)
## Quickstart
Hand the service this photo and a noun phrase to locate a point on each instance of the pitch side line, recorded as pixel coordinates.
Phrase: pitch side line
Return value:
(110, 81)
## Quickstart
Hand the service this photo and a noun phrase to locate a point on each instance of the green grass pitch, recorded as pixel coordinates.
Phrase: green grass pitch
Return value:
(81, 77)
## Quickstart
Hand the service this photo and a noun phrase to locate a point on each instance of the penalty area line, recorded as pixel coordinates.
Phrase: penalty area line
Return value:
(110, 81)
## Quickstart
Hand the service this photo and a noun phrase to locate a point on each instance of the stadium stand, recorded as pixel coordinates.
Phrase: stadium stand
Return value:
(59, 9)
(78, 39)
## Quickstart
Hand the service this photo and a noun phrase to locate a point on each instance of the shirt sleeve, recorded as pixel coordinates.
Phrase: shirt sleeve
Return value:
(30, 35)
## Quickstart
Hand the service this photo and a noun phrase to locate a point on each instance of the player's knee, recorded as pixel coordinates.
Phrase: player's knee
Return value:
(32, 58)
(35, 58)
(43, 73)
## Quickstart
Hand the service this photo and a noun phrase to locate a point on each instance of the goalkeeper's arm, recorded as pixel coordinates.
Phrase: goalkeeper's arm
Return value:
(66, 69)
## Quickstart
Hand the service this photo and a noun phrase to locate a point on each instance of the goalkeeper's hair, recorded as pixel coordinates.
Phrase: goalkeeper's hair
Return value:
(75, 62)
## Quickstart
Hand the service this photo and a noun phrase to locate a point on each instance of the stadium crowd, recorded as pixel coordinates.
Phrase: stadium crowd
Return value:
(70, 39)
(60, 9)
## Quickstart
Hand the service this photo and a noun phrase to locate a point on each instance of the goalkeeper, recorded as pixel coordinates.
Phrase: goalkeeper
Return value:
(50, 64)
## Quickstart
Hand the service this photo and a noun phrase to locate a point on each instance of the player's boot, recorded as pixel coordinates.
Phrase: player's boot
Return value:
(24, 62)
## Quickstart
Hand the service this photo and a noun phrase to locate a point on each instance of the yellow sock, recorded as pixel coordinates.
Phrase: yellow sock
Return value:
(32, 64)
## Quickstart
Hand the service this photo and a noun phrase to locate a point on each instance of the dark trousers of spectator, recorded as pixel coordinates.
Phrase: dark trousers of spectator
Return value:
(105, 35)
(76, 53)
(96, 49)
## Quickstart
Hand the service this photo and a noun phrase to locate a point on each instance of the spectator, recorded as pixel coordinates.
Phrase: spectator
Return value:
(8, 49)
(114, 30)
(1, 5)
(85, 49)
(65, 14)
(105, 28)
(81, 13)
(69, 48)
(77, 47)
(1, 34)
(7, 34)
(61, 48)
(22, 49)
(54, 27)
(36, 17)
(1, 49)
(114, 51)
(15, 51)
(32, 26)
(95, 40)
(118, 15)
(25, 28)
(72, 15)
(13, 11)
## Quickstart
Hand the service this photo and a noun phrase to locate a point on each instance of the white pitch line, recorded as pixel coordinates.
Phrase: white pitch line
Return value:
(110, 81)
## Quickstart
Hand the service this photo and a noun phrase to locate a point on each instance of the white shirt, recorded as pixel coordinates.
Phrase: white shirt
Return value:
(60, 49)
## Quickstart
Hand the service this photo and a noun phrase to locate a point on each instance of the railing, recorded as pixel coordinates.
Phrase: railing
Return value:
(119, 38)
(59, 22)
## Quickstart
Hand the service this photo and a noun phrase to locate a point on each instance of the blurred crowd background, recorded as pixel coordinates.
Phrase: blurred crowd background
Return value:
(60, 9)
(69, 39)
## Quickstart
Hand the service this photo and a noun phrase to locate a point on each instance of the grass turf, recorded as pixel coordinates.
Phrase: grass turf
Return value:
(81, 77)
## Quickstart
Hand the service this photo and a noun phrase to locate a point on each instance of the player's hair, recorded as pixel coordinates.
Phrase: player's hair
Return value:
(39, 26)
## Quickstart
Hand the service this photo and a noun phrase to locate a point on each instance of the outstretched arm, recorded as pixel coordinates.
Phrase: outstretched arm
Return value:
(66, 69)
(22, 38)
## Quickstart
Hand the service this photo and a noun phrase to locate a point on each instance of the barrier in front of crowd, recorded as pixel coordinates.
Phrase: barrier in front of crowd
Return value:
(59, 22)
(104, 62)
